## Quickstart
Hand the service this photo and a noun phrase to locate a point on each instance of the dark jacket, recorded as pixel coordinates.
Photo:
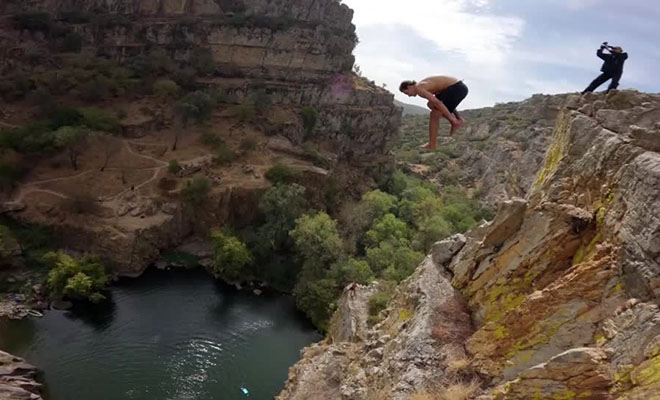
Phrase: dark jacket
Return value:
(613, 62)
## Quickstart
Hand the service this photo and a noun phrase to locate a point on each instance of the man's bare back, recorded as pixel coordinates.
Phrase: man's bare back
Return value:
(438, 83)
(443, 93)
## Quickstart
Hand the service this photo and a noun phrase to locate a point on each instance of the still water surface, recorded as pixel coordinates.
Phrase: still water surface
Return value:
(175, 335)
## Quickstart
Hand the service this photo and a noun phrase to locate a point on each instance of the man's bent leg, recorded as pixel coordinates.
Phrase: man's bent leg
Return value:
(597, 82)
(615, 82)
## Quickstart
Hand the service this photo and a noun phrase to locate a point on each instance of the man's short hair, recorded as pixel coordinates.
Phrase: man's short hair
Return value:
(405, 84)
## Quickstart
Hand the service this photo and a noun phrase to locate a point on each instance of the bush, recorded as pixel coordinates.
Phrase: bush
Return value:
(211, 139)
(317, 299)
(165, 89)
(196, 105)
(261, 101)
(230, 256)
(388, 227)
(72, 43)
(82, 278)
(10, 174)
(309, 116)
(245, 111)
(379, 300)
(280, 206)
(351, 270)
(202, 61)
(248, 144)
(196, 190)
(394, 260)
(99, 119)
(223, 155)
(281, 174)
(173, 167)
(317, 244)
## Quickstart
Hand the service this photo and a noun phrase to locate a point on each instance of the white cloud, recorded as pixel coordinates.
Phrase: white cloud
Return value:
(452, 25)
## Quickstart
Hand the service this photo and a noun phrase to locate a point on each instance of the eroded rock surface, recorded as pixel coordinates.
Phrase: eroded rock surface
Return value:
(562, 286)
(17, 379)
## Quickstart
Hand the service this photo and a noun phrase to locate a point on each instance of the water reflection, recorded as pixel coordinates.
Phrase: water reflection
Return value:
(167, 335)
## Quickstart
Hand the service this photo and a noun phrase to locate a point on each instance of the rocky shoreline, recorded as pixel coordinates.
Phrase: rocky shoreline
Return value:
(18, 379)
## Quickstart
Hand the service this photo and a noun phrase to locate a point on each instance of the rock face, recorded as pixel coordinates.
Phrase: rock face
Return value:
(496, 153)
(298, 53)
(17, 379)
(404, 354)
(562, 286)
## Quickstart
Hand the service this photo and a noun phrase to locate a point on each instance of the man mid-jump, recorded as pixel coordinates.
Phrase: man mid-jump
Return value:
(444, 94)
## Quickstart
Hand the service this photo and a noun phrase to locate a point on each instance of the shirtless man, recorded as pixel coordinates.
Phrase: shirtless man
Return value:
(444, 94)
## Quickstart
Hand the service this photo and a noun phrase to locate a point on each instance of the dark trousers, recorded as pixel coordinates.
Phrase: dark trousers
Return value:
(602, 78)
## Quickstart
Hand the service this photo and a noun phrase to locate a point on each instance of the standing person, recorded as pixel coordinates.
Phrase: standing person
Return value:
(612, 67)
(444, 94)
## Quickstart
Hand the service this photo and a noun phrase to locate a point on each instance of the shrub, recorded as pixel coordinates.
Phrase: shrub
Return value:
(280, 206)
(10, 174)
(379, 300)
(281, 174)
(202, 61)
(99, 119)
(173, 166)
(211, 139)
(196, 105)
(81, 278)
(309, 116)
(82, 204)
(230, 256)
(245, 111)
(316, 299)
(223, 155)
(317, 244)
(72, 43)
(248, 144)
(196, 190)
(388, 227)
(16, 86)
(165, 89)
(351, 270)
(261, 101)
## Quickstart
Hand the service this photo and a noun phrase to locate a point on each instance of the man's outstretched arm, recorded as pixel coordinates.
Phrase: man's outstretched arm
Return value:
(437, 104)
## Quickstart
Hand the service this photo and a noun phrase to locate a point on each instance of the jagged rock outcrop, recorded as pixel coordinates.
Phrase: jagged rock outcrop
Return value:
(562, 286)
(406, 353)
(497, 152)
(17, 379)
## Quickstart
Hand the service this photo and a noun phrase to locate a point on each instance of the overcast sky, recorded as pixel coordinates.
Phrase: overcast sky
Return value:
(505, 50)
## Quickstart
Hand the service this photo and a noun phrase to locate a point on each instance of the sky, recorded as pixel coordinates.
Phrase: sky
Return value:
(505, 50)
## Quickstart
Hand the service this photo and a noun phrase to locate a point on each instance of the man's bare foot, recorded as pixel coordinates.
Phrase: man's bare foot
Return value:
(454, 127)
(427, 146)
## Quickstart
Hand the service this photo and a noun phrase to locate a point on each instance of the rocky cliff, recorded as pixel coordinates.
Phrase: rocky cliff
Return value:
(290, 54)
(496, 153)
(17, 379)
(556, 298)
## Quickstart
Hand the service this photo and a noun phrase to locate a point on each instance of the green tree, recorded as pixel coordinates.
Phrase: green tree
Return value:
(74, 140)
(280, 206)
(230, 256)
(281, 174)
(194, 106)
(317, 243)
(388, 227)
(166, 89)
(379, 203)
(75, 278)
(196, 190)
(431, 230)
(351, 270)
(394, 260)
(317, 300)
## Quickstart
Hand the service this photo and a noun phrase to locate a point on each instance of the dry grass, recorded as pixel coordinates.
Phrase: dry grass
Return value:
(459, 391)
(457, 361)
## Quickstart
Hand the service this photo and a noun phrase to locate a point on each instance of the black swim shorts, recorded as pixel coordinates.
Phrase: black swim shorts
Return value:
(453, 95)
